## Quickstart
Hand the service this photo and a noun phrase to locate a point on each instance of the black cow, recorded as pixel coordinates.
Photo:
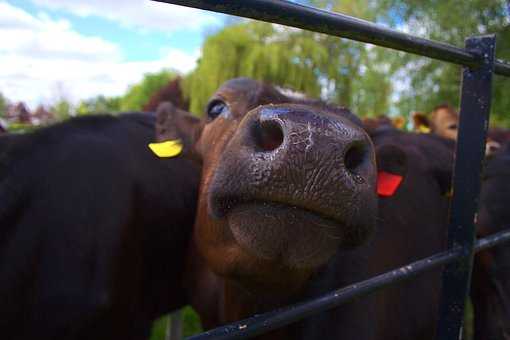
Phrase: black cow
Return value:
(490, 291)
(414, 178)
(93, 230)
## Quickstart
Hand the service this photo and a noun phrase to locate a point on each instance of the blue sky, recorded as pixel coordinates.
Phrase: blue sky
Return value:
(135, 44)
(82, 48)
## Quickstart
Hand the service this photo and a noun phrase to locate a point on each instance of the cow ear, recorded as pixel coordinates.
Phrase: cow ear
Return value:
(421, 122)
(174, 125)
(391, 169)
(391, 158)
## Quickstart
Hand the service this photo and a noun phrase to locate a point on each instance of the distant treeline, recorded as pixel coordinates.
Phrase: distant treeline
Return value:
(368, 79)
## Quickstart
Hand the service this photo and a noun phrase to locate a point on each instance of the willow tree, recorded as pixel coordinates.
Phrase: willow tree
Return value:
(262, 51)
(368, 79)
(337, 70)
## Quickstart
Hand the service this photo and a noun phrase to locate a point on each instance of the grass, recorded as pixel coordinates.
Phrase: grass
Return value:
(190, 325)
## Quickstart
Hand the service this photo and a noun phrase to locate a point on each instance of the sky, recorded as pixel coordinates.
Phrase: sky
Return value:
(78, 49)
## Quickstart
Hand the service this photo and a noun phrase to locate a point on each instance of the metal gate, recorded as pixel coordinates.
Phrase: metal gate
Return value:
(479, 64)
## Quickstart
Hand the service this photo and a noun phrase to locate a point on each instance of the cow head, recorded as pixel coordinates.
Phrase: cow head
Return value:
(442, 121)
(285, 182)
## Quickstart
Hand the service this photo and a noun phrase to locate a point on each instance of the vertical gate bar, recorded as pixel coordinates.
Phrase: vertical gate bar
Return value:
(474, 118)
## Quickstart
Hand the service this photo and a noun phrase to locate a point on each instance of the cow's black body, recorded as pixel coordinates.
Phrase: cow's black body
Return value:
(411, 226)
(490, 289)
(93, 230)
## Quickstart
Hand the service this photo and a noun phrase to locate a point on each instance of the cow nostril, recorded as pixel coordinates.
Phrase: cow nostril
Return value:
(355, 157)
(268, 135)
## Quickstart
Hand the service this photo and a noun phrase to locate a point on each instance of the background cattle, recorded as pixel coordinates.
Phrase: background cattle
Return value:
(490, 290)
(372, 124)
(285, 183)
(171, 92)
(93, 230)
(412, 224)
(443, 121)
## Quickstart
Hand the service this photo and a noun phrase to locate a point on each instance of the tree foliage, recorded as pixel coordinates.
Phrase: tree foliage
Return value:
(318, 65)
(62, 109)
(368, 79)
(99, 104)
(431, 82)
(3, 105)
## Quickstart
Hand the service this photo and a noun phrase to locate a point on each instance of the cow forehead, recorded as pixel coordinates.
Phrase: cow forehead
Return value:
(444, 115)
(322, 122)
(250, 93)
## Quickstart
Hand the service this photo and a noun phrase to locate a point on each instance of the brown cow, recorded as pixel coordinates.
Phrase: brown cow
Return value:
(285, 183)
(411, 225)
(443, 121)
(171, 92)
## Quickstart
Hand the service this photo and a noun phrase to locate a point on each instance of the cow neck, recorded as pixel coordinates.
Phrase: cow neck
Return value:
(219, 301)
(238, 304)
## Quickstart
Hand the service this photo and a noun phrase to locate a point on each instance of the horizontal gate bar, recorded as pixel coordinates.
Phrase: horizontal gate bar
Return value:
(267, 322)
(313, 19)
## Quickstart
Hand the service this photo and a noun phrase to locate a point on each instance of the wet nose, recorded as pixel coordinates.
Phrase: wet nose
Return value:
(306, 158)
(298, 131)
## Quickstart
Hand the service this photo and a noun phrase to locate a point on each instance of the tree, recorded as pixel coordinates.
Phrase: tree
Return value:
(337, 70)
(432, 82)
(62, 109)
(368, 79)
(3, 105)
(139, 94)
(254, 50)
(99, 104)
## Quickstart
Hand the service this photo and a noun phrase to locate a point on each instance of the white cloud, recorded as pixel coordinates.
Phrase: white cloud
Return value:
(144, 14)
(42, 58)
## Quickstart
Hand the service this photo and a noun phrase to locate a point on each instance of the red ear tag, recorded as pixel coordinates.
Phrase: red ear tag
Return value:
(387, 183)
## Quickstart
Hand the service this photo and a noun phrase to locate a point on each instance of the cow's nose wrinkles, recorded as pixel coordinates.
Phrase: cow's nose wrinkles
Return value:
(268, 134)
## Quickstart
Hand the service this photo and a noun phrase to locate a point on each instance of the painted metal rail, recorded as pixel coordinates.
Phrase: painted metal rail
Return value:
(479, 64)
(312, 19)
(266, 322)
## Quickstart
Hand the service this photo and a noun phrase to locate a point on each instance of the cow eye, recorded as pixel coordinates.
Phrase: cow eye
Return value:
(216, 108)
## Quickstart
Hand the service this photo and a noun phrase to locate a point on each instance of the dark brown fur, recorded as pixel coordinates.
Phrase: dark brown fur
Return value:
(271, 211)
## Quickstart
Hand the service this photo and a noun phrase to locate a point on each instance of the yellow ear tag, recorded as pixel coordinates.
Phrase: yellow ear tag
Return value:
(166, 149)
(424, 129)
